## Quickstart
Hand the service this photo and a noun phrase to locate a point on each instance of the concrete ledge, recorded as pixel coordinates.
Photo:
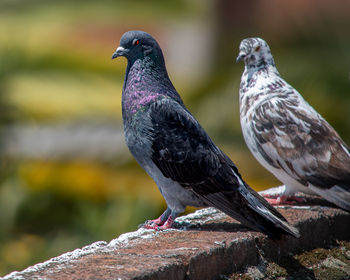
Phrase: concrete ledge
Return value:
(206, 245)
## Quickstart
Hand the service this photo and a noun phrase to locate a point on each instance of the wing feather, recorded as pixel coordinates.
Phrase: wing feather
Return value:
(184, 152)
(292, 136)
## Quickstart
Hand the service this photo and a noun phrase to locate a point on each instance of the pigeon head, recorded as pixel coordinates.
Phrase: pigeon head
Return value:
(255, 52)
(136, 45)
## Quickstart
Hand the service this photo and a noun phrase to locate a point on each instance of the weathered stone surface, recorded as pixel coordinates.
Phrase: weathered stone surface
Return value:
(205, 245)
(318, 264)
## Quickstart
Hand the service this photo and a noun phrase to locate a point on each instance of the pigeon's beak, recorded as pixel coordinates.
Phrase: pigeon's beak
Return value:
(241, 56)
(120, 51)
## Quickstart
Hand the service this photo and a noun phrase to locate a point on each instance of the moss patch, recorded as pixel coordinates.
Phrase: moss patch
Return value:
(320, 264)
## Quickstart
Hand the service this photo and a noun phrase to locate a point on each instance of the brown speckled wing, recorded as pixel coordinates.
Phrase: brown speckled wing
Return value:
(291, 136)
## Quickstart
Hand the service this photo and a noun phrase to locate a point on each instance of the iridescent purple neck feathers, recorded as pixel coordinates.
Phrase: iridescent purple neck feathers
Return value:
(145, 81)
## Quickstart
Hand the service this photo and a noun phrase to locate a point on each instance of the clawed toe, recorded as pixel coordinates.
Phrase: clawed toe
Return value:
(151, 226)
(158, 224)
(283, 200)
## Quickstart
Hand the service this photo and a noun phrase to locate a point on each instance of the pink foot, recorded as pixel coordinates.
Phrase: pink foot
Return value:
(158, 224)
(283, 199)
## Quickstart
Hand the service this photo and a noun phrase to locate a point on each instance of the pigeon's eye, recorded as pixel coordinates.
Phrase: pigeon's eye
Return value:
(257, 48)
(136, 42)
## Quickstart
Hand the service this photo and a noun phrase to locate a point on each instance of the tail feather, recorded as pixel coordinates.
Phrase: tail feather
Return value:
(338, 194)
(267, 211)
(248, 207)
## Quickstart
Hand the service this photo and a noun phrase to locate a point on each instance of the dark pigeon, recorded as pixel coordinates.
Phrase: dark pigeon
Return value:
(287, 136)
(172, 147)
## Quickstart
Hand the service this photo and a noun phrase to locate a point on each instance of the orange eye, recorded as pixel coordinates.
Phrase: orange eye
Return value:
(257, 48)
(136, 42)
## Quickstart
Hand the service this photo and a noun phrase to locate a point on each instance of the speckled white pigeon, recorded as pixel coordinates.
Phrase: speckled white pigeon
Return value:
(286, 135)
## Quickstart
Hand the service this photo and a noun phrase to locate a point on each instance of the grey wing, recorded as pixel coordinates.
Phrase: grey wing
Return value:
(183, 151)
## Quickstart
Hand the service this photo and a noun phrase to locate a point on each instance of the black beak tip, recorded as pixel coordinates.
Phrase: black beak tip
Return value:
(120, 51)
(239, 58)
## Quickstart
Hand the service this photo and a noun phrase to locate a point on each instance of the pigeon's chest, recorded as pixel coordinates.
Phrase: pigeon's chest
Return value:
(250, 108)
(136, 98)
(252, 90)
(136, 119)
(250, 102)
(137, 130)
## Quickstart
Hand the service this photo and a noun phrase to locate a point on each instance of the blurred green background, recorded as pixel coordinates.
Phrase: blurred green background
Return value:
(67, 178)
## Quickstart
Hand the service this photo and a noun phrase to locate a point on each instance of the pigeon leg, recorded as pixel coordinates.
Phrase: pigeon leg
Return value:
(167, 220)
(168, 224)
(159, 221)
(283, 199)
(280, 196)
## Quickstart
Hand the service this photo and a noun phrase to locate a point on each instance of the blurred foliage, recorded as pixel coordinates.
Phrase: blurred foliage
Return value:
(55, 67)
(65, 91)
